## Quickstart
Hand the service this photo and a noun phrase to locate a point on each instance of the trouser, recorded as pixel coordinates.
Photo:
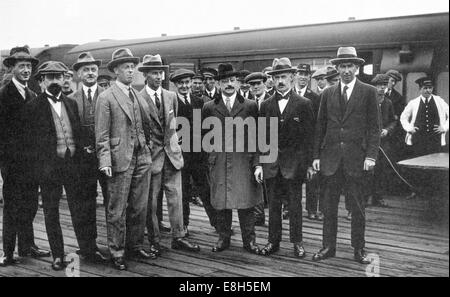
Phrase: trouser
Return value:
(195, 169)
(314, 194)
(293, 190)
(63, 173)
(246, 222)
(20, 196)
(127, 206)
(169, 181)
(332, 189)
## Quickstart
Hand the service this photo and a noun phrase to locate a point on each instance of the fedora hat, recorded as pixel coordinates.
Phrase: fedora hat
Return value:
(347, 54)
(85, 58)
(331, 73)
(226, 70)
(394, 74)
(180, 74)
(152, 62)
(120, 56)
(282, 65)
(20, 53)
(243, 74)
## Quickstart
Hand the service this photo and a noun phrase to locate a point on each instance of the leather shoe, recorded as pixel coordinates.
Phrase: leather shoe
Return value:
(7, 261)
(311, 216)
(95, 257)
(142, 254)
(221, 245)
(197, 201)
(349, 215)
(58, 264)
(270, 248)
(361, 256)
(184, 244)
(163, 227)
(36, 252)
(285, 215)
(155, 248)
(119, 263)
(324, 253)
(252, 248)
(299, 250)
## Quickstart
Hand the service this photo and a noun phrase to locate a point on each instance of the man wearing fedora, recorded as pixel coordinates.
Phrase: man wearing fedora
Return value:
(20, 190)
(86, 96)
(209, 76)
(288, 171)
(347, 140)
(123, 151)
(52, 133)
(233, 173)
(166, 155)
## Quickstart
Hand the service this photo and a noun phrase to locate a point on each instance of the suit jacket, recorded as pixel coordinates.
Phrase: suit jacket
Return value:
(295, 136)
(350, 138)
(232, 182)
(113, 129)
(387, 121)
(40, 132)
(169, 147)
(315, 100)
(11, 122)
(87, 135)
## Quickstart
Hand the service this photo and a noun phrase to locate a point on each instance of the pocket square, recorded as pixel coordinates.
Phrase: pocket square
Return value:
(170, 111)
(297, 119)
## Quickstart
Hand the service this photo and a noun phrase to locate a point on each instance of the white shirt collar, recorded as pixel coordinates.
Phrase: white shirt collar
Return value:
(232, 99)
(350, 86)
(20, 87)
(424, 100)
(125, 89)
(284, 94)
(213, 92)
(93, 90)
(152, 92)
(182, 97)
(302, 91)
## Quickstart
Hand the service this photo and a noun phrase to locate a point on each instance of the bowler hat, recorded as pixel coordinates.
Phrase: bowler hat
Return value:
(51, 67)
(281, 65)
(380, 79)
(85, 58)
(152, 62)
(20, 53)
(225, 70)
(304, 68)
(209, 72)
(347, 55)
(424, 82)
(255, 76)
(120, 56)
(394, 74)
(180, 74)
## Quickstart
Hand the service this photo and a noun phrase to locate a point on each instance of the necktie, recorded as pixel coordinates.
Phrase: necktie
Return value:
(157, 102)
(186, 100)
(90, 96)
(210, 94)
(344, 100)
(26, 93)
(130, 94)
(228, 103)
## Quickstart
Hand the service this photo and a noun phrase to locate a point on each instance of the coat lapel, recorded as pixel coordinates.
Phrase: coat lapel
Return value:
(167, 104)
(122, 100)
(352, 101)
(237, 106)
(151, 105)
(220, 107)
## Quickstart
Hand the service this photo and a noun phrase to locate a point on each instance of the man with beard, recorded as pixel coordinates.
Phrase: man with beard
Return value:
(85, 212)
(123, 151)
(20, 190)
(67, 85)
(166, 155)
(295, 139)
(269, 82)
(194, 162)
(52, 132)
(244, 88)
(209, 75)
(347, 141)
(232, 183)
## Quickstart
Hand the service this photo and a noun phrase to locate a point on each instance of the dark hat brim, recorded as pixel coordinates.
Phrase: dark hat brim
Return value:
(146, 68)
(181, 76)
(78, 65)
(111, 65)
(355, 60)
(226, 75)
(330, 76)
(11, 61)
(278, 71)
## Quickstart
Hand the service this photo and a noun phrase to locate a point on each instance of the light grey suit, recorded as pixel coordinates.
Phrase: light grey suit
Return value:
(167, 163)
(117, 126)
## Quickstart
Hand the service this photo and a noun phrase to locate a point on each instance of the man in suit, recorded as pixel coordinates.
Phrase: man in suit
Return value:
(122, 145)
(20, 190)
(257, 80)
(269, 82)
(194, 161)
(346, 144)
(209, 76)
(52, 132)
(166, 155)
(295, 139)
(398, 101)
(67, 85)
(85, 213)
(244, 88)
(231, 172)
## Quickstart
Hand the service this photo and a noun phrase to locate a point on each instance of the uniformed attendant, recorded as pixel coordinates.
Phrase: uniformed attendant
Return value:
(67, 85)
(209, 76)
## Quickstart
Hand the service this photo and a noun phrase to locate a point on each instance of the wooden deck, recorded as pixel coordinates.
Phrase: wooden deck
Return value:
(407, 242)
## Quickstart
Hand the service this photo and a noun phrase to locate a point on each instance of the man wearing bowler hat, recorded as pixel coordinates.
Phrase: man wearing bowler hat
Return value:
(347, 140)
(233, 172)
(209, 75)
(123, 151)
(20, 190)
(288, 171)
(166, 155)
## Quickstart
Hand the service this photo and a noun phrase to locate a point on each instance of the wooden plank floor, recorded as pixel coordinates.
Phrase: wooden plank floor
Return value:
(405, 240)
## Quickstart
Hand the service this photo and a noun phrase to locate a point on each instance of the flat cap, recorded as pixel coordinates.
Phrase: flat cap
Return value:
(304, 68)
(394, 74)
(380, 79)
(52, 67)
(180, 74)
(255, 76)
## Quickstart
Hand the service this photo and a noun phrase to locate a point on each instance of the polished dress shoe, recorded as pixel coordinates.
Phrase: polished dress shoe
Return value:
(349, 215)
(36, 252)
(184, 244)
(323, 254)
(163, 227)
(252, 248)
(221, 245)
(197, 201)
(270, 248)
(119, 263)
(299, 250)
(311, 216)
(7, 261)
(361, 256)
(142, 254)
(58, 264)
(319, 216)
(155, 248)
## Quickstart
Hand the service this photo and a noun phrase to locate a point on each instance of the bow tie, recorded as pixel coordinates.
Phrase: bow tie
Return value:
(54, 98)
(281, 97)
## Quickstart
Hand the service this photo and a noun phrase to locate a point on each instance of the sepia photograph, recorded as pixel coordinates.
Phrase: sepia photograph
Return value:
(248, 143)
